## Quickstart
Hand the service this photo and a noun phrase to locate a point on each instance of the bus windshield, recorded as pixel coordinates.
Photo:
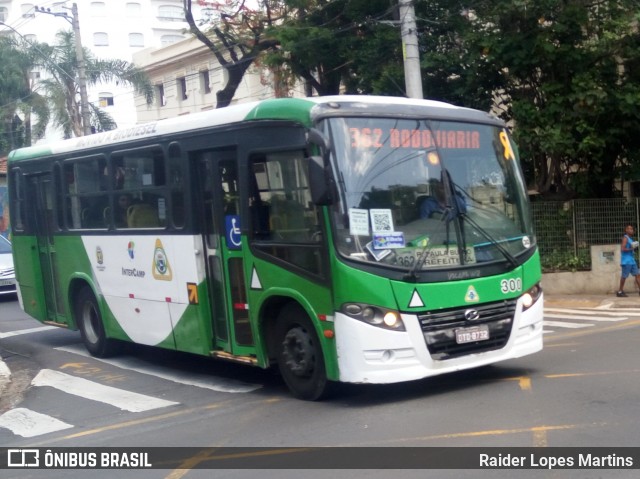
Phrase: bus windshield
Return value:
(426, 194)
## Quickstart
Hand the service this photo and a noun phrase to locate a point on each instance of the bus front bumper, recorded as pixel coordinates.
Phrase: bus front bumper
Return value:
(369, 354)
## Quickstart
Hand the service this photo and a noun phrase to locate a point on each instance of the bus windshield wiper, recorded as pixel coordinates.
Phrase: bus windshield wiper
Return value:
(505, 252)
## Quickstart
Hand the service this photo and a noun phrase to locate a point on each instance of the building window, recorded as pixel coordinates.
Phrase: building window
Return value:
(160, 98)
(105, 99)
(171, 13)
(98, 9)
(100, 39)
(134, 9)
(28, 10)
(136, 40)
(205, 85)
(182, 88)
(166, 40)
(4, 13)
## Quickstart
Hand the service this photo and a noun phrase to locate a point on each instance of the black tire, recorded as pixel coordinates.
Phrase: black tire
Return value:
(299, 354)
(89, 322)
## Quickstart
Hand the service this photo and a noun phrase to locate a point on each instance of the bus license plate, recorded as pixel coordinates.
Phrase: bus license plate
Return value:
(6, 282)
(470, 335)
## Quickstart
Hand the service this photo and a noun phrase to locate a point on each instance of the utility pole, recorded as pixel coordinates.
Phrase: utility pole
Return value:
(82, 73)
(410, 52)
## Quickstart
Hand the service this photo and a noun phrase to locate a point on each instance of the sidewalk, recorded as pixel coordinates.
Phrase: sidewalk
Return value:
(591, 300)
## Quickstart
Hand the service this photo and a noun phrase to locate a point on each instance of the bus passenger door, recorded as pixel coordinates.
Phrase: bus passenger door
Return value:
(41, 191)
(220, 203)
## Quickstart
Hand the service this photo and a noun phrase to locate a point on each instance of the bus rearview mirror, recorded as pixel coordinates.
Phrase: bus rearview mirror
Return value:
(318, 182)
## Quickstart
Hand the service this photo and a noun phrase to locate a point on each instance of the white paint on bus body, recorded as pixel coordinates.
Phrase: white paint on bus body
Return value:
(125, 400)
(146, 298)
(231, 114)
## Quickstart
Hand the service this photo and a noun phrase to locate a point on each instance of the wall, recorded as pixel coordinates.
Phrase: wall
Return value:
(602, 279)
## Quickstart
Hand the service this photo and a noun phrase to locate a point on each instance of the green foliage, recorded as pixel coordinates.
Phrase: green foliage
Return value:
(26, 106)
(563, 260)
(63, 89)
(564, 73)
(19, 102)
(569, 83)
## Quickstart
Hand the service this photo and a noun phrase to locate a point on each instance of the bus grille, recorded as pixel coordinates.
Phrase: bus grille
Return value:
(439, 328)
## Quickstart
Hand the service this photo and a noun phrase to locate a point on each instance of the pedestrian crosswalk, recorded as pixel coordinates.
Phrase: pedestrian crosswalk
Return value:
(28, 423)
(557, 319)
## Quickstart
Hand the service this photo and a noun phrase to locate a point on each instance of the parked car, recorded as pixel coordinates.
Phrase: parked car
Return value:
(7, 272)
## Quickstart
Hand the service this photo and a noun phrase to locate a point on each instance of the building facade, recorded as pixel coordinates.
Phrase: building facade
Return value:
(110, 29)
(186, 76)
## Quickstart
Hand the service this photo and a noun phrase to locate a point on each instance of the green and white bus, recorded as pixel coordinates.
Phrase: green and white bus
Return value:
(344, 239)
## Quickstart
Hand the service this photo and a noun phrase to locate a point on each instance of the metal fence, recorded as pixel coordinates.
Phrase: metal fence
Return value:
(566, 230)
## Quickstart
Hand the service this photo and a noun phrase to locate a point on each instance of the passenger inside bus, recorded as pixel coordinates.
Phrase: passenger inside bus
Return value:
(120, 216)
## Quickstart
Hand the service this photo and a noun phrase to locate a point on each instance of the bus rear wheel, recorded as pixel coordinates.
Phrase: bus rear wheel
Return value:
(299, 354)
(89, 321)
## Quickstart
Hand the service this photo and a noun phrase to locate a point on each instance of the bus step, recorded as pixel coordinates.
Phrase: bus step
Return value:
(53, 323)
(238, 359)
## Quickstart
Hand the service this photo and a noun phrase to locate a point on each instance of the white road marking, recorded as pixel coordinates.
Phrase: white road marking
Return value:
(563, 324)
(26, 331)
(584, 318)
(590, 312)
(27, 423)
(125, 400)
(182, 377)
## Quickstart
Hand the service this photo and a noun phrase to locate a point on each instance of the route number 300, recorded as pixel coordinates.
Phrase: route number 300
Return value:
(511, 285)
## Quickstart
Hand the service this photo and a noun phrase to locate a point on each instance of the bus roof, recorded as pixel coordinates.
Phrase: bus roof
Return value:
(303, 110)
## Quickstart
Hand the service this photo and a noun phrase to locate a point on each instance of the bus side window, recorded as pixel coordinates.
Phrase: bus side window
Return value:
(85, 193)
(285, 223)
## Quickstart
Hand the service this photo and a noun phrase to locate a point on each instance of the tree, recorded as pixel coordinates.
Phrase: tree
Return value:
(20, 103)
(564, 73)
(63, 90)
(235, 37)
(338, 44)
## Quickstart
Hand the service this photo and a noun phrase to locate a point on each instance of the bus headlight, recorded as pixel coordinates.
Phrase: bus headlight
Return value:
(374, 315)
(530, 297)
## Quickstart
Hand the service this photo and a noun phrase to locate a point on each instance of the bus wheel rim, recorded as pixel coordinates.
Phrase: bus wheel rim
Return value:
(89, 319)
(299, 352)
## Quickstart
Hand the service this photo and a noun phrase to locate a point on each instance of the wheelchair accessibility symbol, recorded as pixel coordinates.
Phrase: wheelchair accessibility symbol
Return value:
(232, 226)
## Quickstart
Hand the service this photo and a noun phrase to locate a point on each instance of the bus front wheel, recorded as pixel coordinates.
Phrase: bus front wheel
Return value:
(89, 321)
(300, 358)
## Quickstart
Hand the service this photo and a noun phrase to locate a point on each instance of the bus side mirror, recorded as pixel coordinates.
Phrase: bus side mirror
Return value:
(318, 182)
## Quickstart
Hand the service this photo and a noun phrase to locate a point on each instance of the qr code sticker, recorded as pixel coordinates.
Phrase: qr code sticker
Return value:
(381, 221)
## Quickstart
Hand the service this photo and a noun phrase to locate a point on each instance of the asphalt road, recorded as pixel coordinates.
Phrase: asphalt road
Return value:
(581, 391)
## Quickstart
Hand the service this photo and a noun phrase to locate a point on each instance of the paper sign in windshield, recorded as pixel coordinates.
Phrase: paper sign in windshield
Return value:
(358, 222)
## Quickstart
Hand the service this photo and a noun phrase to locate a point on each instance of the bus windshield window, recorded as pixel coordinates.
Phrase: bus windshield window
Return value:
(423, 194)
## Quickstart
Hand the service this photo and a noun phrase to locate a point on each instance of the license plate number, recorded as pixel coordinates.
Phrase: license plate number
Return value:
(470, 335)
(6, 282)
